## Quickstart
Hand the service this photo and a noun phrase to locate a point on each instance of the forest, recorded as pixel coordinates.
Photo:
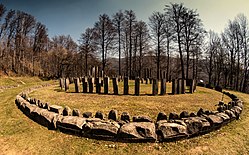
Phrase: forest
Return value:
(173, 41)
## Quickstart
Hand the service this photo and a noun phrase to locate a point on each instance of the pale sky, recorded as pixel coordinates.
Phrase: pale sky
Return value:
(72, 17)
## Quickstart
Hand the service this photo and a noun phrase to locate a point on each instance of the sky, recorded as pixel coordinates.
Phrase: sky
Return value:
(72, 17)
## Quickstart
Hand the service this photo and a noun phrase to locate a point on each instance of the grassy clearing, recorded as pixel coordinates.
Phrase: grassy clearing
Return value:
(20, 135)
(135, 105)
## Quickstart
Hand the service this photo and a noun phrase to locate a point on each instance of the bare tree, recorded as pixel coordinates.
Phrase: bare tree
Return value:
(104, 36)
(175, 13)
(87, 46)
(118, 20)
(157, 22)
(130, 18)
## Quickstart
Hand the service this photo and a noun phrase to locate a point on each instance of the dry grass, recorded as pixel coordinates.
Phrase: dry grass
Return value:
(20, 135)
(135, 105)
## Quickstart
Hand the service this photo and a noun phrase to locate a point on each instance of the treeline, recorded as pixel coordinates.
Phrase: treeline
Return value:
(174, 41)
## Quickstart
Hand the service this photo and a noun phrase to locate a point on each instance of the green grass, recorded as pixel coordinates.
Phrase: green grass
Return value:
(20, 135)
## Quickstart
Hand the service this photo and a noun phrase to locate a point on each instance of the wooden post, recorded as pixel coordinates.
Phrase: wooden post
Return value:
(150, 80)
(106, 85)
(98, 85)
(179, 86)
(66, 84)
(163, 87)
(174, 86)
(62, 83)
(183, 86)
(77, 85)
(155, 87)
(142, 80)
(90, 83)
(137, 86)
(126, 85)
(84, 84)
(115, 85)
(191, 86)
(146, 80)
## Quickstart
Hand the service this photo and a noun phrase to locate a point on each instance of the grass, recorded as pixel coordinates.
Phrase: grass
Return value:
(135, 105)
(20, 135)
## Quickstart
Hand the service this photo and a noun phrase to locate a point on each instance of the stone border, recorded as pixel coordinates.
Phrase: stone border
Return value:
(140, 129)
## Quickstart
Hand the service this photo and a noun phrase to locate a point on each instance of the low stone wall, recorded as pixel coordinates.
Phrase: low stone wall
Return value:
(139, 129)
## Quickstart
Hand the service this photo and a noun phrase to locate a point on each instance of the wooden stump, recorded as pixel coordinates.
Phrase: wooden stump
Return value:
(163, 87)
(66, 84)
(115, 85)
(155, 87)
(106, 85)
(126, 85)
(137, 86)
(77, 85)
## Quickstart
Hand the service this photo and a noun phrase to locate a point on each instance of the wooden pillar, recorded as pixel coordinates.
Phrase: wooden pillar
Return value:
(62, 83)
(151, 80)
(66, 84)
(179, 86)
(77, 85)
(191, 86)
(137, 86)
(142, 80)
(115, 85)
(146, 80)
(163, 87)
(174, 86)
(90, 83)
(98, 85)
(155, 87)
(106, 85)
(183, 86)
(126, 85)
(84, 84)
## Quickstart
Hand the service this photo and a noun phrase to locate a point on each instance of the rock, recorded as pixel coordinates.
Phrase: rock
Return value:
(76, 112)
(224, 116)
(161, 116)
(230, 105)
(49, 119)
(220, 103)
(214, 120)
(125, 116)
(101, 129)
(192, 114)
(200, 112)
(99, 115)
(142, 119)
(28, 108)
(239, 103)
(173, 116)
(220, 108)
(72, 124)
(237, 111)
(230, 114)
(113, 115)
(233, 103)
(138, 132)
(196, 125)
(218, 88)
(67, 111)
(184, 114)
(36, 113)
(47, 106)
(167, 131)
(56, 109)
(121, 122)
(87, 114)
